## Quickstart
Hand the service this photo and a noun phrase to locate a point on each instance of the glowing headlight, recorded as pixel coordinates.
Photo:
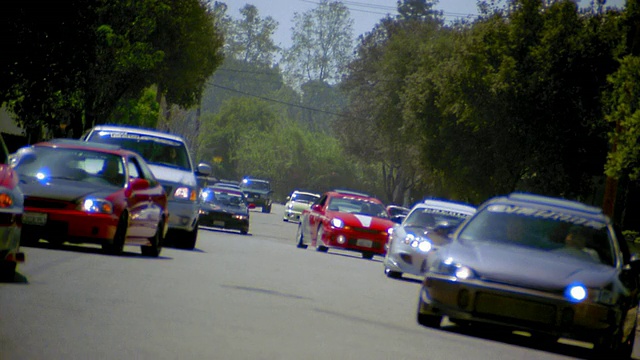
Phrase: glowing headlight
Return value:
(575, 292)
(337, 223)
(409, 239)
(185, 193)
(424, 246)
(463, 272)
(93, 205)
(6, 200)
(240, 217)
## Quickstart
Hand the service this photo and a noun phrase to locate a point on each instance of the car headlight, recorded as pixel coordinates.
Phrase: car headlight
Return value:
(6, 200)
(184, 192)
(240, 217)
(289, 205)
(603, 296)
(337, 223)
(459, 271)
(576, 292)
(95, 205)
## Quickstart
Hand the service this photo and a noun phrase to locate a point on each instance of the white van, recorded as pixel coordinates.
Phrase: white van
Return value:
(170, 160)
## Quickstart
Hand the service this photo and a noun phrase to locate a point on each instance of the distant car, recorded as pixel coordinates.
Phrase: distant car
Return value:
(228, 184)
(170, 160)
(11, 207)
(296, 203)
(79, 192)
(422, 232)
(224, 208)
(397, 213)
(538, 264)
(258, 193)
(348, 221)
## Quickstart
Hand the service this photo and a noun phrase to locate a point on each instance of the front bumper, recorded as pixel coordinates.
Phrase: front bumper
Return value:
(526, 309)
(222, 220)
(292, 215)
(348, 238)
(72, 226)
(183, 214)
(404, 258)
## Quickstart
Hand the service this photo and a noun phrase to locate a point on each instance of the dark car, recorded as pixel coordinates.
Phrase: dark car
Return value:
(397, 213)
(541, 265)
(224, 208)
(11, 206)
(79, 192)
(258, 193)
(346, 220)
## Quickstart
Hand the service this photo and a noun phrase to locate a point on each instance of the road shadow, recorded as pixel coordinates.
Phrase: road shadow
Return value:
(92, 249)
(539, 342)
(224, 231)
(18, 278)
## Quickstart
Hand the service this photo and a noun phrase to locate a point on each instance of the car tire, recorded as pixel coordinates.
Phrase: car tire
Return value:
(392, 274)
(190, 239)
(319, 246)
(300, 238)
(367, 255)
(7, 271)
(117, 243)
(611, 346)
(244, 231)
(428, 320)
(266, 209)
(156, 243)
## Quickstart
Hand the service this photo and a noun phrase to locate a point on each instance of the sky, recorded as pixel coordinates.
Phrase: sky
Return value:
(365, 13)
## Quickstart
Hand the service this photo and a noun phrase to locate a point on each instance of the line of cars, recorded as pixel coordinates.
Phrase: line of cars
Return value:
(541, 265)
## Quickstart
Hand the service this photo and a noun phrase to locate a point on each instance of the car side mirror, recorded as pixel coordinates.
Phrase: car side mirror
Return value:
(138, 184)
(203, 169)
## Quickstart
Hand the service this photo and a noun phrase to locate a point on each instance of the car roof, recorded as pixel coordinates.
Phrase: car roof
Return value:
(551, 204)
(226, 189)
(137, 130)
(305, 193)
(351, 192)
(444, 205)
(355, 194)
(83, 145)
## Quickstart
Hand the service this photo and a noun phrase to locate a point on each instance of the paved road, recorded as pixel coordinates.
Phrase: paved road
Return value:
(235, 297)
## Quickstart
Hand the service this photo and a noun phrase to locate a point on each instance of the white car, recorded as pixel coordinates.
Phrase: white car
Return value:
(297, 202)
(422, 232)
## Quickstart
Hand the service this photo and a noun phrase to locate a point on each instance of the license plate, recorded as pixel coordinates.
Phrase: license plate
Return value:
(31, 218)
(218, 223)
(364, 243)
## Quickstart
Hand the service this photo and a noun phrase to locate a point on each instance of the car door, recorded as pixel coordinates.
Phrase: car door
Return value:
(316, 213)
(145, 196)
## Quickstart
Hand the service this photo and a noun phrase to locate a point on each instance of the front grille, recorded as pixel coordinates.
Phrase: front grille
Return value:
(47, 204)
(514, 308)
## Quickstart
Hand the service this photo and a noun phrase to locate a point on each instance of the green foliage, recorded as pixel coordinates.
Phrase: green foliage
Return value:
(624, 112)
(249, 39)
(142, 112)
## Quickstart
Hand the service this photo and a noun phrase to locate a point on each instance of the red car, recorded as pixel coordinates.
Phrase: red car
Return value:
(10, 216)
(346, 220)
(80, 192)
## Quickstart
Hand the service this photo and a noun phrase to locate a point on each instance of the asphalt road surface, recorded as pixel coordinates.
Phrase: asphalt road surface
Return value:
(234, 297)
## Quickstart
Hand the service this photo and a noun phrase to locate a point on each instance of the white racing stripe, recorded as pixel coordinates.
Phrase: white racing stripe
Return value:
(364, 220)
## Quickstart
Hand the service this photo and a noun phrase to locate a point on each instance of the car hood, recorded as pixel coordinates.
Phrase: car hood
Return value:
(230, 209)
(166, 174)
(527, 267)
(362, 221)
(299, 206)
(65, 190)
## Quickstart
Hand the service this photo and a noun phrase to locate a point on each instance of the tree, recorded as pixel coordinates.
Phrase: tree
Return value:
(322, 44)
(250, 38)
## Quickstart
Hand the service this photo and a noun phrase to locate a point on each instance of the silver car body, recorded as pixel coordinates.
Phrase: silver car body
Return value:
(297, 202)
(416, 238)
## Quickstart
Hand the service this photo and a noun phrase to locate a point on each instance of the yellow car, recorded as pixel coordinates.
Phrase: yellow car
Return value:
(297, 202)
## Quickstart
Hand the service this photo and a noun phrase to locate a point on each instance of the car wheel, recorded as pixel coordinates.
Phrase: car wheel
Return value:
(319, 246)
(189, 242)
(428, 320)
(156, 243)
(392, 274)
(7, 271)
(612, 345)
(367, 255)
(244, 231)
(300, 238)
(117, 243)
(266, 209)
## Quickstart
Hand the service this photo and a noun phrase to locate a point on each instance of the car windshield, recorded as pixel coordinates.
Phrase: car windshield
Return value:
(357, 206)
(155, 150)
(43, 163)
(222, 197)
(430, 218)
(255, 185)
(305, 198)
(542, 230)
(393, 211)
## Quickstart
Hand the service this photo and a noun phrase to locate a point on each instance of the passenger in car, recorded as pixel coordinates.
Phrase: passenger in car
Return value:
(575, 244)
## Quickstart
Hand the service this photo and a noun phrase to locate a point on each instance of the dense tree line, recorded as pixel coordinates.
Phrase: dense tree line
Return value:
(532, 95)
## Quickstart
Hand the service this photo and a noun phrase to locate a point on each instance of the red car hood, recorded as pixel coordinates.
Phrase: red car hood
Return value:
(362, 221)
(8, 177)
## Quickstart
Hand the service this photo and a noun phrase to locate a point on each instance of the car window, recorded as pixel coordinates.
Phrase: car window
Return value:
(430, 218)
(303, 198)
(255, 185)
(155, 150)
(542, 230)
(357, 206)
